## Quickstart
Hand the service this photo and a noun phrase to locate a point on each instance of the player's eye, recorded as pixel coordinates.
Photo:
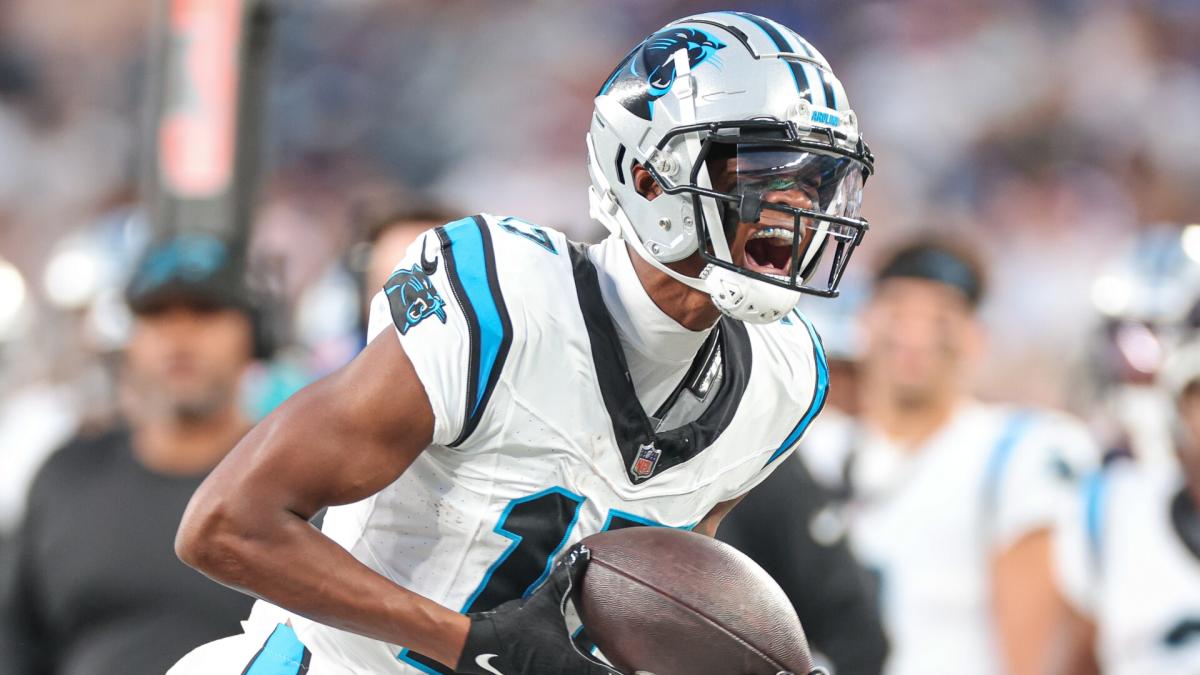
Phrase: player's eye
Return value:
(782, 184)
(807, 185)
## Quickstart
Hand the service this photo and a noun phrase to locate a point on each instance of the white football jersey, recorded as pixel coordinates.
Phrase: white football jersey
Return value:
(1124, 559)
(539, 439)
(929, 520)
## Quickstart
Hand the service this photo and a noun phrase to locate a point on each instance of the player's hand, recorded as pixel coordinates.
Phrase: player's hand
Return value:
(529, 636)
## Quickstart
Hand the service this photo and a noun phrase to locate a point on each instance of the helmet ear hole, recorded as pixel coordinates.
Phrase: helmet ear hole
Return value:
(644, 182)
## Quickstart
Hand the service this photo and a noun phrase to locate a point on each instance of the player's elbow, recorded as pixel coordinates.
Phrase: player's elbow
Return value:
(210, 537)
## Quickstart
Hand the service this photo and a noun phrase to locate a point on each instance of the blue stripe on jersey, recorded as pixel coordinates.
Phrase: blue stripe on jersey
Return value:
(426, 665)
(553, 554)
(516, 541)
(281, 654)
(1012, 432)
(404, 656)
(471, 264)
(1093, 496)
(820, 390)
(782, 45)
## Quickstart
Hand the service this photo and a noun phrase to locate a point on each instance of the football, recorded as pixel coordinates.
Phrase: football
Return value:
(671, 602)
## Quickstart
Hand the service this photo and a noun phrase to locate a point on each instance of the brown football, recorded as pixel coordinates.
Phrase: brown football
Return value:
(670, 602)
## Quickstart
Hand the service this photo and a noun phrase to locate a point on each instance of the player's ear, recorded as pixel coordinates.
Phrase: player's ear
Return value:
(644, 183)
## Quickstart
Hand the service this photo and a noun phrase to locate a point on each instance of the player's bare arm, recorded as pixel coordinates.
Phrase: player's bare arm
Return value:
(712, 521)
(1023, 601)
(1071, 644)
(338, 441)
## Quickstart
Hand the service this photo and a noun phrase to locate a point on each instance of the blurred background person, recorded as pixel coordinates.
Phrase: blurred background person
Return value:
(790, 527)
(387, 239)
(95, 586)
(783, 526)
(947, 499)
(1142, 298)
(49, 401)
(1128, 553)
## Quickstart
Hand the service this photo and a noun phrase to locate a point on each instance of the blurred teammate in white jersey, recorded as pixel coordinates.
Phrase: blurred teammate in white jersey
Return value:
(1128, 553)
(1141, 298)
(521, 392)
(950, 500)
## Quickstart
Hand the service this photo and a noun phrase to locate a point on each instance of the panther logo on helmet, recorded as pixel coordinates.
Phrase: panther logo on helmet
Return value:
(648, 72)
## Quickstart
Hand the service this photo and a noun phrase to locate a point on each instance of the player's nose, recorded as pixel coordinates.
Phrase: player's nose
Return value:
(794, 198)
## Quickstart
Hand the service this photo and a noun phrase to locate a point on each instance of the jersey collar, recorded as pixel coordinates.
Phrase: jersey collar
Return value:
(648, 453)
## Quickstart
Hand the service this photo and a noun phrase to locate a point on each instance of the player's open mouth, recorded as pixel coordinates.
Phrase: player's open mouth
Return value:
(769, 251)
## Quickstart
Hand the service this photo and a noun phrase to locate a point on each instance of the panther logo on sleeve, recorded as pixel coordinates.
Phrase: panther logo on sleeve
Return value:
(413, 298)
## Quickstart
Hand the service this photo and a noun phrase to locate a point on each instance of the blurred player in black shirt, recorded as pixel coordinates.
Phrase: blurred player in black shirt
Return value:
(811, 560)
(93, 585)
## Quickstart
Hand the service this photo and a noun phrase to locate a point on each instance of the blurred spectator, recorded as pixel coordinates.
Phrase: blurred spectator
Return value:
(787, 526)
(783, 526)
(93, 585)
(33, 423)
(1128, 555)
(949, 500)
(389, 237)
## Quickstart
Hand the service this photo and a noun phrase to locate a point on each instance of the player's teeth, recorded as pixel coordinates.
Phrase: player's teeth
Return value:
(776, 232)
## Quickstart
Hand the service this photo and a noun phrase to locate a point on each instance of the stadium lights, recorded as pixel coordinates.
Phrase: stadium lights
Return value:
(1111, 294)
(1191, 241)
(72, 278)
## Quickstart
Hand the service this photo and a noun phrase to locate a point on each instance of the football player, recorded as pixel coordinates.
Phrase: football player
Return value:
(1141, 298)
(948, 499)
(1128, 554)
(521, 392)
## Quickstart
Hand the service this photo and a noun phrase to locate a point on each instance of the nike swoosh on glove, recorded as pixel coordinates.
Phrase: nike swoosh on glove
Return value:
(529, 636)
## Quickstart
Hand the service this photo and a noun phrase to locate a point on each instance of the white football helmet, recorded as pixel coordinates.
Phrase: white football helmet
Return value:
(757, 153)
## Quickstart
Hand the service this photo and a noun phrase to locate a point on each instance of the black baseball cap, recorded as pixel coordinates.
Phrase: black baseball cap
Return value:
(952, 264)
(195, 268)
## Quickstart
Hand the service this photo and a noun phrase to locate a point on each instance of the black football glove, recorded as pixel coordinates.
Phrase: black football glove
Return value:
(529, 636)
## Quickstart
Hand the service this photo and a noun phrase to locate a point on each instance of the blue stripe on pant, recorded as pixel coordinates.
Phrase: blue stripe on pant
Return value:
(281, 654)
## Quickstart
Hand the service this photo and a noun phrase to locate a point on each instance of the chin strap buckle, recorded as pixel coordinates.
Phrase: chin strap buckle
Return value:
(608, 203)
(602, 203)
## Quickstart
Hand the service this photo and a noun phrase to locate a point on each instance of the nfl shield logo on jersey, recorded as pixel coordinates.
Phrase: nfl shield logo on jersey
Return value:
(647, 459)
